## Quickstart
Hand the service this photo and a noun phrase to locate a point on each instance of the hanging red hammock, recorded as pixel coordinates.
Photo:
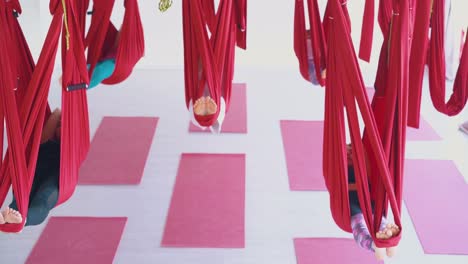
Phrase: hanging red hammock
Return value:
(24, 122)
(345, 88)
(103, 35)
(317, 40)
(458, 99)
(417, 60)
(209, 61)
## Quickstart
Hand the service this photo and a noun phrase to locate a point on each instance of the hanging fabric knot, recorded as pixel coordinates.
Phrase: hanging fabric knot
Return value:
(164, 5)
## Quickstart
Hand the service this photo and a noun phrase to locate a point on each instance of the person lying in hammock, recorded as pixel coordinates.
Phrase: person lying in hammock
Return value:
(105, 66)
(360, 231)
(44, 191)
(310, 59)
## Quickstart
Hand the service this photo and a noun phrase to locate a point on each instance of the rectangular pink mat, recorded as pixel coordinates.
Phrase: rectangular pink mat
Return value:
(78, 240)
(236, 118)
(424, 133)
(118, 151)
(331, 251)
(303, 144)
(436, 196)
(208, 202)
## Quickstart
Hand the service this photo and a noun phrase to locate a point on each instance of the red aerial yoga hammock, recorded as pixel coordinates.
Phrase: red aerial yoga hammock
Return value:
(418, 59)
(24, 121)
(458, 99)
(102, 36)
(319, 50)
(209, 61)
(318, 40)
(383, 147)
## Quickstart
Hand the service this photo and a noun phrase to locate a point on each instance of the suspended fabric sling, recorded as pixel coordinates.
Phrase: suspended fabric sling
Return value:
(209, 60)
(317, 36)
(103, 35)
(318, 41)
(458, 99)
(345, 88)
(390, 104)
(24, 124)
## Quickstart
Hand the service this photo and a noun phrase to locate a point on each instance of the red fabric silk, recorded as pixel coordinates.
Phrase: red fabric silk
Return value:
(458, 99)
(367, 31)
(418, 60)
(131, 43)
(25, 127)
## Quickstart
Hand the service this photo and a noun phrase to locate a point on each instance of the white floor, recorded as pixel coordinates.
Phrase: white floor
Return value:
(274, 215)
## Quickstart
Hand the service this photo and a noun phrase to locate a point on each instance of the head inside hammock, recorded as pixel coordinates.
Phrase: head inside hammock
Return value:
(104, 41)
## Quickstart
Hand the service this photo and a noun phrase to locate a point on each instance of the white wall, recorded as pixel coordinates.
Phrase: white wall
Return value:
(270, 32)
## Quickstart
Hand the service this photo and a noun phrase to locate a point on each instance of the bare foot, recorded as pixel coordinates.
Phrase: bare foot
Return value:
(210, 106)
(199, 107)
(12, 216)
(390, 230)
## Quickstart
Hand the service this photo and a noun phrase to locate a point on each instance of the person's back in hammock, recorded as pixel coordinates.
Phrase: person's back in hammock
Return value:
(44, 191)
(360, 231)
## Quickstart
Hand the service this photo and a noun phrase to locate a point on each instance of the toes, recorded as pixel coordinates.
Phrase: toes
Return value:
(379, 235)
(389, 233)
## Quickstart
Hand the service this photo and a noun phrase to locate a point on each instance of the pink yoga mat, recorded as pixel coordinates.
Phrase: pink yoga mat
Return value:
(436, 196)
(68, 240)
(424, 133)
(208, 201)
(331, 251)
(235, 120)
(303, 144)
(118, 151)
